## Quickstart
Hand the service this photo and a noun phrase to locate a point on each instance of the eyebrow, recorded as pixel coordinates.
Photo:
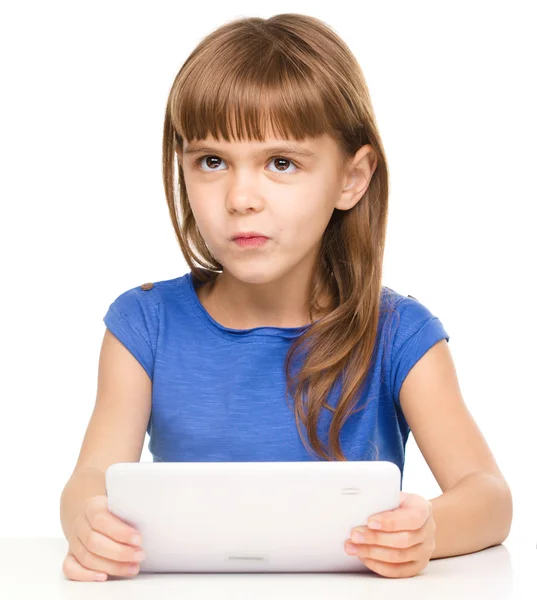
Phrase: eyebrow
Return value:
(290, 149)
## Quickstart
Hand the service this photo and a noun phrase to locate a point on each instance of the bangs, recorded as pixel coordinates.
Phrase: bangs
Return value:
(250, 98)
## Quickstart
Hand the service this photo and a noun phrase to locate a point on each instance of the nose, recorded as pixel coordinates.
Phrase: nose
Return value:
(244, 194)
(242, 202)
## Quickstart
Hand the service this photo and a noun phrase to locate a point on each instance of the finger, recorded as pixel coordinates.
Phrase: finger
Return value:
(403, 497)
(411, 515)
(392, 571)
(72, 569)
(103, 521)
(395, 539)
(92, 561)
(391, 555)
(102, 545)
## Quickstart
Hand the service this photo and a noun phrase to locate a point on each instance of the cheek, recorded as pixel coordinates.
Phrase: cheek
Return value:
(207, 226)
(302, 206)
(200, 217)
(308, 219)
(202, 211)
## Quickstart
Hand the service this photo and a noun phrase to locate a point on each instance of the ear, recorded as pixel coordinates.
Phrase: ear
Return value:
(357, 176)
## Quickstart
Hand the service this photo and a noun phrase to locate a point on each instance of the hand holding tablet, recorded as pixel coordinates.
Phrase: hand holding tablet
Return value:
(250, 516)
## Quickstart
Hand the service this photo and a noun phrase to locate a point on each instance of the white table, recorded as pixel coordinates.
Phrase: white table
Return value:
(32, 569)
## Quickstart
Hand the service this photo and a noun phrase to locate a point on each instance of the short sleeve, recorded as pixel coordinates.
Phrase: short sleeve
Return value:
(133, 319)
(418, 330)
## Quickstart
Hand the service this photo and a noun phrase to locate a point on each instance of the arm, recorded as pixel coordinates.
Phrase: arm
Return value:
(475, 509)
(474, 514)
(116, 429)
(83, 484)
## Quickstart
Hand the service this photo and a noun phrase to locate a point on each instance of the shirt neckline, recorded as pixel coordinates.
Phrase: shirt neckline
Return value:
(239, 335)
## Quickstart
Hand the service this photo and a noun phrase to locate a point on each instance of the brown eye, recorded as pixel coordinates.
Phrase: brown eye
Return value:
(286, 162)
(203, 162)
(282, 160)
(199, 161)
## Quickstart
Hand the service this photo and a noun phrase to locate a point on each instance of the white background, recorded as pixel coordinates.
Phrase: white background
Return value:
(84, 217)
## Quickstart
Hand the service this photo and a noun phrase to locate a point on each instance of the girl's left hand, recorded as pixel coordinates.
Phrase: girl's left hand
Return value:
(403, 545)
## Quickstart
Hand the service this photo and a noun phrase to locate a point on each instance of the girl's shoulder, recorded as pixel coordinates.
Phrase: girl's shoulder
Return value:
(413, 322)
(147, 295)
(134, 318)
(393, 300)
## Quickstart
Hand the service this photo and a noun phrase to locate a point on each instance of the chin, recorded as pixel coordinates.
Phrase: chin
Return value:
(252, 273)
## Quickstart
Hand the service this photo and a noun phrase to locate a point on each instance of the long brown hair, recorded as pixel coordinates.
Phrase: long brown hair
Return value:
(294, 72)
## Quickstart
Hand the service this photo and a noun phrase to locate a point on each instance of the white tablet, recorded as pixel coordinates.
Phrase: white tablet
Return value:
(250, 516)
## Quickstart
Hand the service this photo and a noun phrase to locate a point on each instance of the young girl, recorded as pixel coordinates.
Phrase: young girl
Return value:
(281, 343)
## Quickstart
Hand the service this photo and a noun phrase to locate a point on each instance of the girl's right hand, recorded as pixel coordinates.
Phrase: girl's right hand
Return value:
(101, 543)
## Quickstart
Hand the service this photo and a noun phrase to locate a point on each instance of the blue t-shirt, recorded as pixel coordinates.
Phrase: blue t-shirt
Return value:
(218, 394)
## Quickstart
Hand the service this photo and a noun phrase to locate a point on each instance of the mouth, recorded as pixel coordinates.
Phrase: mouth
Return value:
(251, 242)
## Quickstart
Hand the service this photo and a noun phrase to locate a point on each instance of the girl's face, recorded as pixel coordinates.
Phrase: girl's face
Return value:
(268, 187)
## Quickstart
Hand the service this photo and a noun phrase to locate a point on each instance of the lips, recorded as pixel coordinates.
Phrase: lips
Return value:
(248, 235)
(251, 242)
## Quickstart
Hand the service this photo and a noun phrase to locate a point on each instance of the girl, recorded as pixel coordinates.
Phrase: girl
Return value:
(281, 343)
